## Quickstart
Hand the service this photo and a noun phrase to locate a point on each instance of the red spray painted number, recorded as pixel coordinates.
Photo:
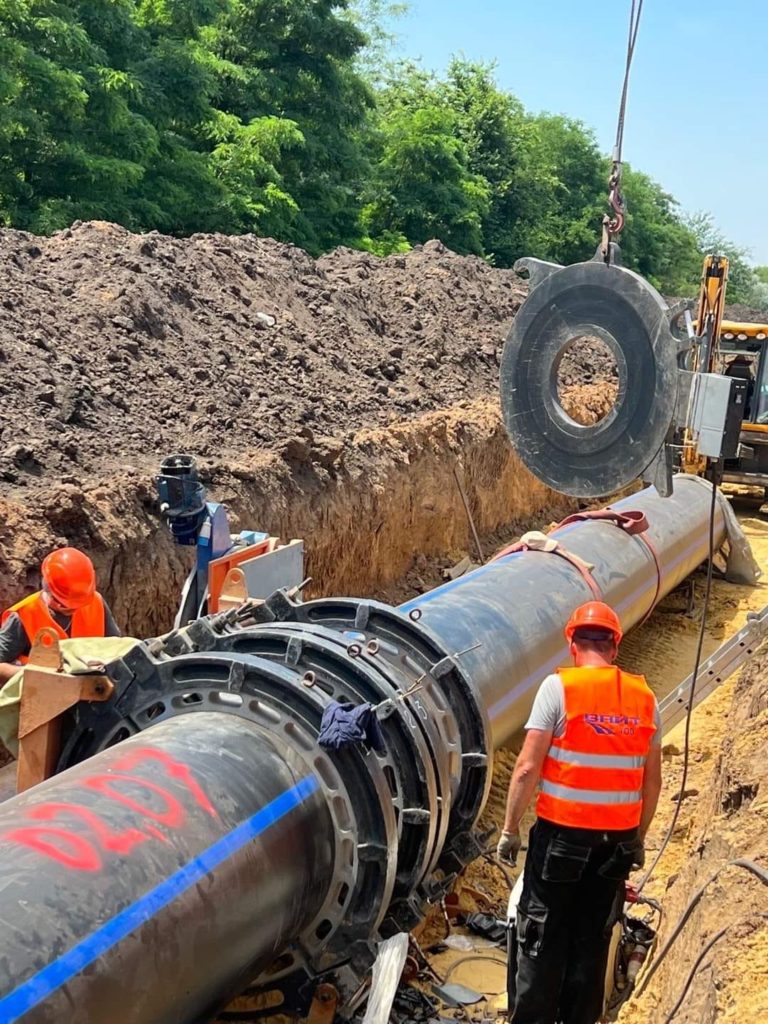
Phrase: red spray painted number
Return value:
(63, 842)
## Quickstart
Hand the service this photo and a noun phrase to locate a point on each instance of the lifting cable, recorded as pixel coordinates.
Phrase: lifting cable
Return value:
(694, 679)
(614, 223)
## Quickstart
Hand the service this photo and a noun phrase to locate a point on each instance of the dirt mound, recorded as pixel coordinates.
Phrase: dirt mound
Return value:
(725, 817)
(587, 360)
(589, 403)
(745, 314)
(384, 497)
(119, 347)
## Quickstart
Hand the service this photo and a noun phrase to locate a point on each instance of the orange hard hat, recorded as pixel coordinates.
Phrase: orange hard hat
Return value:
(69, 577)
(594, 617)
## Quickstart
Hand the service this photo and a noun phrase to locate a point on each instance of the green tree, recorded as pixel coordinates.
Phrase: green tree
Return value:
(502, 146)
(295, 60)
(422, 186)
(277, 116)
(375, 19)
(67, 127)
(569, 223)
(655, 241)
(744, 284)
(106, 111)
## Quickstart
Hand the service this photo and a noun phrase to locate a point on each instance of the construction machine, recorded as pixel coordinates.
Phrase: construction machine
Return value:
(744, 355)
(737, 352)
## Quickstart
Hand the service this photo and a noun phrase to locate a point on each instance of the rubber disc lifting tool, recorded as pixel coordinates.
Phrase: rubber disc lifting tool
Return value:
(603, 301)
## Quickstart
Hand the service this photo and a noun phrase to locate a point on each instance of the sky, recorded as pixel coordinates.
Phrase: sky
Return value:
(696, 121)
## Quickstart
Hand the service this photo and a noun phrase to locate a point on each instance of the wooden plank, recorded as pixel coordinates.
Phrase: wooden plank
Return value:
(46, 694)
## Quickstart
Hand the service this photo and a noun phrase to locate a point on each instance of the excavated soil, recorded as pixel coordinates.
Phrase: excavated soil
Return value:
(385, 500)
(329, 399)
(725, 816)
(120, 348)
(745, 314)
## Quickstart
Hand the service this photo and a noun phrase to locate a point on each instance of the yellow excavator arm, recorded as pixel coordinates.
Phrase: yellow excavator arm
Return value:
(709, 319)
(711, 309)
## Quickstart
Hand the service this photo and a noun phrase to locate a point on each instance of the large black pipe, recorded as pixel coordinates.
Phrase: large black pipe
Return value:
(178, 874)
(153, 882)
(513, 610)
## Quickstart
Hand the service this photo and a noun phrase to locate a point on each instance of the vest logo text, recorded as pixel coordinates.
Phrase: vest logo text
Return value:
(604, 725)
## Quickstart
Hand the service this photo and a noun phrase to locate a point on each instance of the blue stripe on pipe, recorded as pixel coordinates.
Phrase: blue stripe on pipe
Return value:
(37, 988)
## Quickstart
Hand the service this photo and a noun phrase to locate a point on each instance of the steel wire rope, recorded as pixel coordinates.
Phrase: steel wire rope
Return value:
(613, 225)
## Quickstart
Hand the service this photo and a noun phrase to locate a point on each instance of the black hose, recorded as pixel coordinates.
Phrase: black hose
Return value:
(697, 963)
(740, 862)
(500, 867)
(473, 957)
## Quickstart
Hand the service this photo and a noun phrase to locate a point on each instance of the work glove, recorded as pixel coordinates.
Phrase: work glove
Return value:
(508, 847)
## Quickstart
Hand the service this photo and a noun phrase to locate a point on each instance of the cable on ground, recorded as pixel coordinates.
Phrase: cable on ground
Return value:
(697, 963)
(740, 862)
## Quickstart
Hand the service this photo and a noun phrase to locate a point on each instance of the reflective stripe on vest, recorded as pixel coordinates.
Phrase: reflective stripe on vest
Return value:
(590, 796)
(596, 760)
(593, 775)
(34, 615)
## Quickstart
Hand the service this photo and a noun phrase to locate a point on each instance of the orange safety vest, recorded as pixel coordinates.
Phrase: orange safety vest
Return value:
(34, 613)
(593, 775)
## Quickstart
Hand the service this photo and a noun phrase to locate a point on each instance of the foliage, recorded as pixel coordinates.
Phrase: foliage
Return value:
(375, 18)
(422, 186)
(744, 284)
(656, 242)
(182, 115)
(283, 117)
(295, 60)
(569, 228)
(501, 143)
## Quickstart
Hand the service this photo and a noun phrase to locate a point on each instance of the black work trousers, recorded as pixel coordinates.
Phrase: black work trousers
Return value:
(573, 893)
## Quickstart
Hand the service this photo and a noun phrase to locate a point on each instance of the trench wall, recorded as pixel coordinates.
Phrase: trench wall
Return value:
(366, 506)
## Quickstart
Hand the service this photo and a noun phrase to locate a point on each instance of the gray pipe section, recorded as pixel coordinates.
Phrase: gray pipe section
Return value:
(516, 607)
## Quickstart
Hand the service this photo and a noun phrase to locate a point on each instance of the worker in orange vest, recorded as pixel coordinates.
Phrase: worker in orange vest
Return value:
(593, 745)
(68, 603)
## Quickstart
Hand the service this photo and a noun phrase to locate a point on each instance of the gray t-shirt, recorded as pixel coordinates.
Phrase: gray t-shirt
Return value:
(548, 711)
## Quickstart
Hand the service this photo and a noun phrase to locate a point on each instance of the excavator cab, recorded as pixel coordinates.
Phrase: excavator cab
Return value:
(743, 353)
